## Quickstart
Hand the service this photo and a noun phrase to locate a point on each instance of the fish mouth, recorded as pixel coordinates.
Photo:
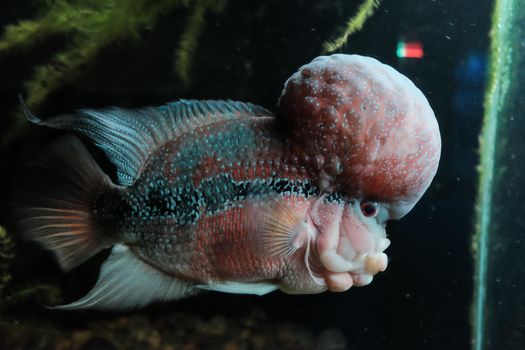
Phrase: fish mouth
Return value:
(350, 248)
(363, 268)
(367, 265)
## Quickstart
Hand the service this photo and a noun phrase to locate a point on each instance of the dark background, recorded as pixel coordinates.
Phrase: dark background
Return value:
(247, 52)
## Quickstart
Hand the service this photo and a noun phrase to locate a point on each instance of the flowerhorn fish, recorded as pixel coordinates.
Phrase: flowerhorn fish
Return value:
(225, 196)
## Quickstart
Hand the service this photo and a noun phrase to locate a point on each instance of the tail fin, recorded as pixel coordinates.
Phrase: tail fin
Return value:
(56, 205)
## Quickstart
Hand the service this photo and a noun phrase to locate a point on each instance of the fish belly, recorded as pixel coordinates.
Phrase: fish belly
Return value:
(215, 248)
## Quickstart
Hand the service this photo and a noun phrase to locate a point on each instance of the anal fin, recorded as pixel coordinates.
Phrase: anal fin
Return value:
(126, 282)
(256, 288)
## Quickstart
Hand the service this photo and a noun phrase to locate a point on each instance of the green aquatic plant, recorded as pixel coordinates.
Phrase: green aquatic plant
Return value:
(499, 227)
(190, 38)
(6, 257)
(91, 26)
(496, 91)
(354, 24)
(10, 294)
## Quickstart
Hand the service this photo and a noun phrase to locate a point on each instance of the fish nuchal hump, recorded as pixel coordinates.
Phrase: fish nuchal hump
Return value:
(129, 136)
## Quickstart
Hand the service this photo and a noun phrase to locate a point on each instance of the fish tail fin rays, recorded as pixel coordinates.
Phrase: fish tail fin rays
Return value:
(55, 206)
(129, 136)
(126, 282)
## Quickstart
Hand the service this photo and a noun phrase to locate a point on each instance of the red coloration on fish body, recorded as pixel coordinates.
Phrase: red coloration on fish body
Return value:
(223, 196)
(221, 247)
(225, 251)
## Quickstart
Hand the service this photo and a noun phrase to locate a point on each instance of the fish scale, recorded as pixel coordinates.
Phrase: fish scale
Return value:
(193, 187)
(188, 212)
(213, 203)
(223, 196)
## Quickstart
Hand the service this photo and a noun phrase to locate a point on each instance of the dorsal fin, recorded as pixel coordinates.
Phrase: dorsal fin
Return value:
(129, 136)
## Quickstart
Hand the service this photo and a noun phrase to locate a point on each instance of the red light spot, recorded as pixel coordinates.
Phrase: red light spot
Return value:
(412, 49)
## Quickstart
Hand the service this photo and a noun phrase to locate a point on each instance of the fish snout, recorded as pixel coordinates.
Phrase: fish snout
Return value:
(368, 264)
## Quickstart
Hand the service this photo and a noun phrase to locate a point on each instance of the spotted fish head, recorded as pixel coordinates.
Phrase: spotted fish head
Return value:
(364, 128)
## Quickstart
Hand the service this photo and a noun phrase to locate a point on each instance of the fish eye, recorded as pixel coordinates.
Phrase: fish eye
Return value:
(370, 209)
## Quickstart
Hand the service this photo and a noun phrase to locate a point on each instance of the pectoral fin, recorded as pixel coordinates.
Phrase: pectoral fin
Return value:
(279, 230)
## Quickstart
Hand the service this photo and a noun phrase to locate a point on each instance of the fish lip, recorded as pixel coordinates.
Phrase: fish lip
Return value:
(361, 280)
(369, 263)
(362, 265)
(370, 257)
